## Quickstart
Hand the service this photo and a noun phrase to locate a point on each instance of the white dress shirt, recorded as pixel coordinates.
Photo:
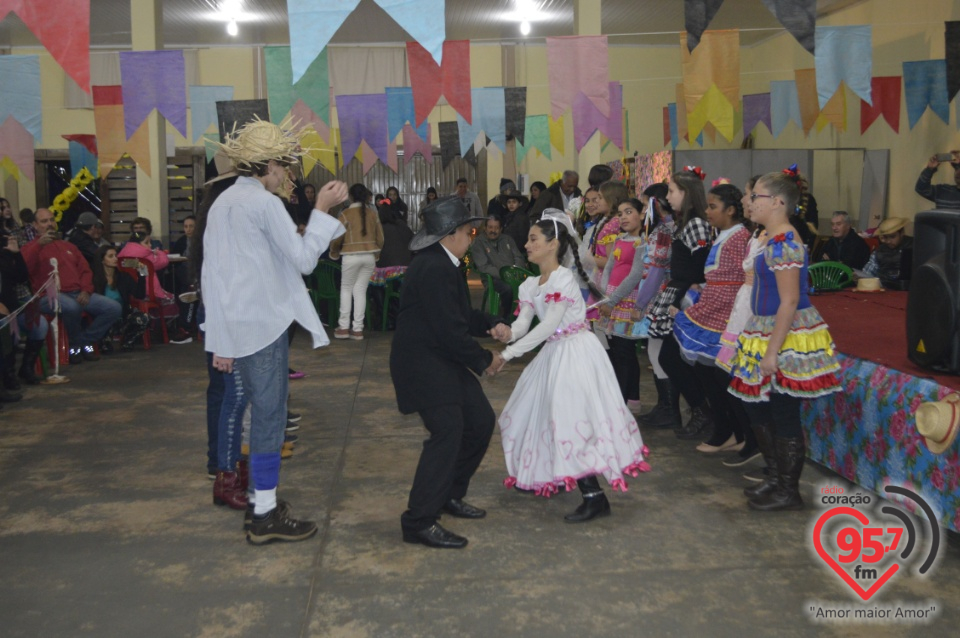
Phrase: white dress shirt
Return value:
(253, 262)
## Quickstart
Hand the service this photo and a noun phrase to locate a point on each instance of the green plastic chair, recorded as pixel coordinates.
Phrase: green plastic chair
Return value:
(513, 276)
(323, 287)
(830, 275)
(391, 291)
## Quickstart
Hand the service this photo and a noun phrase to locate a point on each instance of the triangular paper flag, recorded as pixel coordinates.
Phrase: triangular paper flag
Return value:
(16, 143)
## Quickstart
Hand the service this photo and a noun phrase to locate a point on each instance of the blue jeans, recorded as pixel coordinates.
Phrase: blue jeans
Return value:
(214, 402)
(104, 311)
(230, 425)
(36, 333)
(265, 376)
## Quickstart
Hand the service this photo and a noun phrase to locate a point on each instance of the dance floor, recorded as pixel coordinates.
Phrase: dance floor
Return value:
(867, 433)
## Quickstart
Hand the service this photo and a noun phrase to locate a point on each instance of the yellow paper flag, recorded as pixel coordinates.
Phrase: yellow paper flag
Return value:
(807, 96)
(835, 111)
(715, 109)
(557, 133)
(715, 62)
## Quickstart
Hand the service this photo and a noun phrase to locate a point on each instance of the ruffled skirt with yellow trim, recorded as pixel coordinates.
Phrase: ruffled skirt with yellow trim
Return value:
(806, 365)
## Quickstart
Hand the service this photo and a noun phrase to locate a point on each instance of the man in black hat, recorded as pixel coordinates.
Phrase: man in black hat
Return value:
(86, 235)
(433, 363)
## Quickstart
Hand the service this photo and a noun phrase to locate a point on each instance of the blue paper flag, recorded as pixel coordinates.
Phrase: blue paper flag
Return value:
(844, 54)
(784, 105)
(20, 97)
(424, 20)
(925, 84)
(700, 139)
(674, 128)
(203, 107)
(400, 110)
(489, 116)
(81, 158)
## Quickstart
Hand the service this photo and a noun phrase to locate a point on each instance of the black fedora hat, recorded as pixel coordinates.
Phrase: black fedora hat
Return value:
(440, 218)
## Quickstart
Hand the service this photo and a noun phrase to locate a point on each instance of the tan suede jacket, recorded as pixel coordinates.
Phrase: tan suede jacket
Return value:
(355, 241)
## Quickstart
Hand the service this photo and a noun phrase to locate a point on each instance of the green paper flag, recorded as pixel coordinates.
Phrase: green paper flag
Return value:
(313, 88)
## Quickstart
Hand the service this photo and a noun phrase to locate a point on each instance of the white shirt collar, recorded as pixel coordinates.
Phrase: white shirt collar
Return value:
(456, 262)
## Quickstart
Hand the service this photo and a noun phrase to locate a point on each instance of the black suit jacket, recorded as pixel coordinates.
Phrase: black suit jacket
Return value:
(550, 198)
(433, 348)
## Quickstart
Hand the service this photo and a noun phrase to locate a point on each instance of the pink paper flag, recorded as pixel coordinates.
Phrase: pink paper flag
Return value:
(578, 64)
(413, 144)
(369, 157)
(16, 143)
(393, 162)
(587, 119)
(304, 115)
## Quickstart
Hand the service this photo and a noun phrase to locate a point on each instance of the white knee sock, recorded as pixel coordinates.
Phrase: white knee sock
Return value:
(264, 501)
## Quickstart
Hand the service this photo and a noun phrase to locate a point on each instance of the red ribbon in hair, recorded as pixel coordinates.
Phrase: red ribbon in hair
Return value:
(696, 170)
(792, 171)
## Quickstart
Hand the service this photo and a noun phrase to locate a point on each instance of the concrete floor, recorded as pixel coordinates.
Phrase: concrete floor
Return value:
(107, 527)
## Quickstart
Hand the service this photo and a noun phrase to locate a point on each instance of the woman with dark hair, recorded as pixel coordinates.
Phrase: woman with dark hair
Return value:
(429, 199)
(535, 189)
(565, 412)
(8, 223)
(397, 206)
(360, 247)
(111, 282)
(394, 258)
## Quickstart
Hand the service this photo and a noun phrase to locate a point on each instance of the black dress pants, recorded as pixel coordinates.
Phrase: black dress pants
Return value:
(626, 367)
(459, 436)
(681, 373)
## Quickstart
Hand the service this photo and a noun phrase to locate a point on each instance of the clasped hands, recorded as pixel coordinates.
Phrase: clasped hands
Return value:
(502, 333)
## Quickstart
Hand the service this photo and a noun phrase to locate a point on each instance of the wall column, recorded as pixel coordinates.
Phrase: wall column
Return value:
(146, 18)
(586, 21)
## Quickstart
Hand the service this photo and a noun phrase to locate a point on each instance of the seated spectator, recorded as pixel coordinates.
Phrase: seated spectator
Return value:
(845, 246)
(143, 225)
(535, 189)
(394, 258)
(27, 231)
(76, 288)
(945, 196)
(497, 207)
(397, 206)
(7, 222)
(86, 236)
(182, 278)
(429, 199)
(14, 275)
(139, 248)
(114, 284)
(515, 223)
(893, 259)
(182, 245)
(490, 252)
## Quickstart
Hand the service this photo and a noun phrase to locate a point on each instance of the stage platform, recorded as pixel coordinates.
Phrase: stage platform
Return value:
(867, 433)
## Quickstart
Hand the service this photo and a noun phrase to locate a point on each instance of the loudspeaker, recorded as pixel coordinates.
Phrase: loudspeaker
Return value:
(933, 340)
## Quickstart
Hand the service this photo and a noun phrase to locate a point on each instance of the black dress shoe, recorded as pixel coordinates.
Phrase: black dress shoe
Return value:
(435, 536)
(457, 507)
(591, 508)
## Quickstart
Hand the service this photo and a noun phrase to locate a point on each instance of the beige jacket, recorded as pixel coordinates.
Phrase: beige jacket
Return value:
(355, 241)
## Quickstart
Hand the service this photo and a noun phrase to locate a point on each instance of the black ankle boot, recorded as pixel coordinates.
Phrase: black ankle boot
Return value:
(28, 368)
(790, 455)
(594, 504)
(700, 420)
(765, 441)
(666, 414)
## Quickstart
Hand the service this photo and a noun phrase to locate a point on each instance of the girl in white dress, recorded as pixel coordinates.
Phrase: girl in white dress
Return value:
(565, 422)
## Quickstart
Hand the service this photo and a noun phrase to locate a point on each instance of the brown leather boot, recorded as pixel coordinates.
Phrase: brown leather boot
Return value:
(226, 491)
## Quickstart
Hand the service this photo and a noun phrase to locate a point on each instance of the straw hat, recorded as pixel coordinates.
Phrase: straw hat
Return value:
(868, 284)
(258, 142)
(225, 168)
(938, 422)
(890, 226)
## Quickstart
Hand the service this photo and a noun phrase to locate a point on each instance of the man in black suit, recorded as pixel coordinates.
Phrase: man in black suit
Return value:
(558, 195)
(433, 363)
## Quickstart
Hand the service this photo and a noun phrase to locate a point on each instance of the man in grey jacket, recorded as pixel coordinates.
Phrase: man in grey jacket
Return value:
(493, 250)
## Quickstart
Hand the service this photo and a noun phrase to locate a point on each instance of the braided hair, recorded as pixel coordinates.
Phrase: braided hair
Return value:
(730, 196)
(360, 194)
(552, 230)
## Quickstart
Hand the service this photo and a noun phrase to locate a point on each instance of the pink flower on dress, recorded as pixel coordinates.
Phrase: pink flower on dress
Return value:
(936, 477)
(898, 425)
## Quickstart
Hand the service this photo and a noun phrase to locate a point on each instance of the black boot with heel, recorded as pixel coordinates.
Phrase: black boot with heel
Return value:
(594, 504)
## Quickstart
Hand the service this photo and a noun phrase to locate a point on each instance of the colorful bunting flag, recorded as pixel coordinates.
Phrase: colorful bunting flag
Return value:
(20, 94)
(414, 143)
(322, 150)
(756, 109)
(784, 105)
(697, 16)
(304, 116)
(449, 142)
(112, 142)
(925, 84)
(799, 17)
(363, 118)
(489, 111)
(587, 118)
(312, 24)
(952, 46)
(16, 143)
(400, 110)
(578, 64)
(153, 80)
(835, 111)
(313, 88)
(682, 115)
(667, 125)
(886, 101)
(715, 63)
(844, 54)
(536, 136)
(806, 80)
(430, 80)
(63, 28)
(83, 153)
(203, 107)
(515, 116)
(233, 114)
(557, 133)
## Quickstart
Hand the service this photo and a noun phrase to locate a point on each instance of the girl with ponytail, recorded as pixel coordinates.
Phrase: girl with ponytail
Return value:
(565, 412)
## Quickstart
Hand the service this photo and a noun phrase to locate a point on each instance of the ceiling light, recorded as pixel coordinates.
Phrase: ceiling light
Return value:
(525, 28)
(232, 27)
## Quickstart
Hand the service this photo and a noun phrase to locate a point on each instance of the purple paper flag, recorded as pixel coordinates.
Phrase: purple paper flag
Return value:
(756, 109)
(153, 80)
(363, 118)
(587, 118)
(413, 144)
